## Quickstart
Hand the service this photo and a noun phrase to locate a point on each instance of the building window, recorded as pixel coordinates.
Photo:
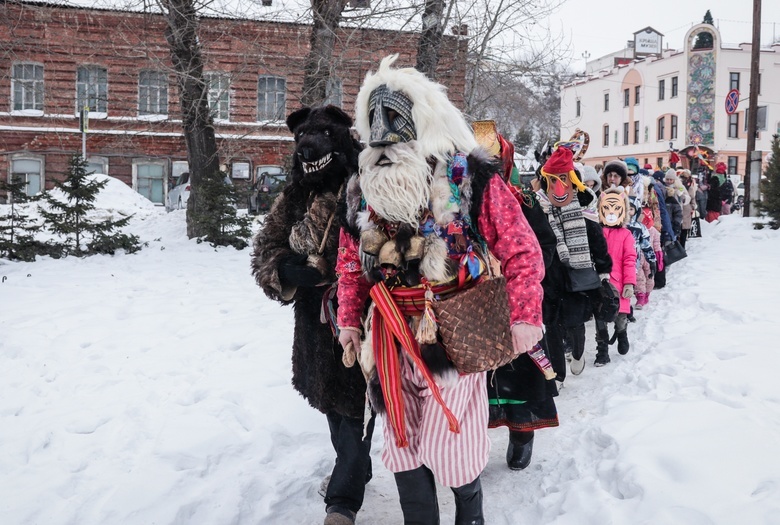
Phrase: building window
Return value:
(92, 89)
(606, 101)
(734, 81)
(734, 125)
(218, 85)
(27, 87)
(636, 132)
(271, 98)
(661, 132)
(659, 161)
(636, 95)
(334, 93)
(674, 87)
(578, 108)
(29, 171)
(606, 135)
(149, 179)
(733, 165)
(97, 165)
(661, 89)
(240, 170)
(673, 130)
(625, 133)
(152, 93)
(626, 98)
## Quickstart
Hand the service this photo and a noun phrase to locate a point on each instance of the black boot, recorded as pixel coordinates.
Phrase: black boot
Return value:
(602, 345)
(520, 449)
(622, 340)
(468, 504)
(417, 493)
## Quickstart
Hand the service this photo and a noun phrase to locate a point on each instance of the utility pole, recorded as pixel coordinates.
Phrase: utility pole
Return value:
(755, 50)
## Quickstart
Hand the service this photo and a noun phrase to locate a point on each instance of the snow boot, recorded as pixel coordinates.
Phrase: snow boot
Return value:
(417, 493)
(622, 339)
(468, 504)
(576, 336)
(602, 344)
(520, 449)
(602, 357)
(641, 301)
(339, 516)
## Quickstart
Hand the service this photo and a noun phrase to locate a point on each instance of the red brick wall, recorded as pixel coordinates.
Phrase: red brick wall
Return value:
(63, 38)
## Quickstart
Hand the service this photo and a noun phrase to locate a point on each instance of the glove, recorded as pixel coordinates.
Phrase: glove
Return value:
(294, 271)
(604, 276)
(628, 291)
(653, 269)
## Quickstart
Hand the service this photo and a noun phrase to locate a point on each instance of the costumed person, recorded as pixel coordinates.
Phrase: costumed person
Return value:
(674, 158)
(419, 215)
(676, 198)
(689, 209)
(573, 283)
(520, 395)
(613, 208)
(645, 250)
(294, 263)
(714, 200)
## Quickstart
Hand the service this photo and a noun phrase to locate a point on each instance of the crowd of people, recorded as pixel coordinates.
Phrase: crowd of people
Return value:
(370, 240)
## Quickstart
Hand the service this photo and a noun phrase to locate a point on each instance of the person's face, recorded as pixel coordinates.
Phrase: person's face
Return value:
(669, 182)
(590, 183)
(613, 178)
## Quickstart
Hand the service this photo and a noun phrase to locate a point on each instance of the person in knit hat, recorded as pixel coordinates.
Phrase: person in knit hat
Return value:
(615, 174)
(590, 178)
(632, 165)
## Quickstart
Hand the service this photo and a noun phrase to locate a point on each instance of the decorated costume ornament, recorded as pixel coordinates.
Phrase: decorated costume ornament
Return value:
(558, 172)
(390, 113)
(613, 205)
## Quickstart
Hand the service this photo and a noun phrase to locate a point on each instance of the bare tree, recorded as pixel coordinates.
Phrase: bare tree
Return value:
(326, 16)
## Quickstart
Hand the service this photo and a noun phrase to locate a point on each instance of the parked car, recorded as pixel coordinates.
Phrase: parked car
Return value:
(268, 182)
(180, 193)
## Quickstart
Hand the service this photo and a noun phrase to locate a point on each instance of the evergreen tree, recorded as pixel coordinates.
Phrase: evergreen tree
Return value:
(218, 216)
(17, 230)
(69, 219)
(770, 188)
(708, 18)
(704, 38)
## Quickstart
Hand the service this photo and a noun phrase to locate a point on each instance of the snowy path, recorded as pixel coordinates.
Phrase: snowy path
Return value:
(155, 388)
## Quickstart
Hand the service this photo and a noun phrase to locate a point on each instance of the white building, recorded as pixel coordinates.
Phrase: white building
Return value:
(677, 98)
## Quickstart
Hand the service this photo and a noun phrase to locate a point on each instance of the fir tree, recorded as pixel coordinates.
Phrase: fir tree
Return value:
(218, 215)
(708, 18)
(704, 38)
(17, 230)
(69, 219)
(770, 188)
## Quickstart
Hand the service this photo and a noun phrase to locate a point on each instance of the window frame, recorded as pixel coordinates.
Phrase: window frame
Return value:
(675, 87)
(661, 89)
(660, 129)
(280, 95)
(143, 161)
(215, 106)
(37, 90)
(637, 90)
(626, 97)
(161, 92)
(673, 127)
(605, 137)
(606, 102)
(734, 79)
(40, 159)
(625, 133)
(100, 110)
(732, 170)
(636, 132)
(733, 126)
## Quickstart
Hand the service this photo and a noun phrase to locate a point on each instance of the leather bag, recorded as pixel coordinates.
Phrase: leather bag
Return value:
(674, 252)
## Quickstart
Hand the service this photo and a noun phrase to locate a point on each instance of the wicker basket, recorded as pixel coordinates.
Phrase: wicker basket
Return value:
(474, 326)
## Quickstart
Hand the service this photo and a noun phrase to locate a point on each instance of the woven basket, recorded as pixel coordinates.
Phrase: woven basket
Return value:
(474, 327)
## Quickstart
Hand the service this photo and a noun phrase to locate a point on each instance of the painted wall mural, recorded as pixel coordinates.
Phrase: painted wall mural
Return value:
(701, 93)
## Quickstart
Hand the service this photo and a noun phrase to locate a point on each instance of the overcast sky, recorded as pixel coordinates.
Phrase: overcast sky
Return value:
(603, 26)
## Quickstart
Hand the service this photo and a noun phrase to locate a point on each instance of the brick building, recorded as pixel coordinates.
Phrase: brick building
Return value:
(54, 60)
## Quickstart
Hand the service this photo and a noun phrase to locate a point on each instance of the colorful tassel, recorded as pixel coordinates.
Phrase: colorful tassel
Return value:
(426, 331)
(537, 356)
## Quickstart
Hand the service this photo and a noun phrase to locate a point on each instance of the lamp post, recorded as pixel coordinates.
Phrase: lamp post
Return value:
(586, 56)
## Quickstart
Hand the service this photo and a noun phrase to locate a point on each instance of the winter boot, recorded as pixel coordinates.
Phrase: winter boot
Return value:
(417, 493)
(602, 347)
(641, 300)
(520, 449)
(622, 339)
(577, 337)
(339, 516)
(468, 504)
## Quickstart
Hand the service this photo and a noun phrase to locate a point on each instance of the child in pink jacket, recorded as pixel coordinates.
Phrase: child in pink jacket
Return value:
(613, 213)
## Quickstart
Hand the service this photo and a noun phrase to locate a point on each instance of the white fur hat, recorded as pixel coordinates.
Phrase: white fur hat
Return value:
(671, 173)
(589, 173)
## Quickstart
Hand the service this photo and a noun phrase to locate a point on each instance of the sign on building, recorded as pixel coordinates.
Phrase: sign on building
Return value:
(647, 41)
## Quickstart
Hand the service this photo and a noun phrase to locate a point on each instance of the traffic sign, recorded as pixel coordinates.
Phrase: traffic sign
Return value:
(732, 101)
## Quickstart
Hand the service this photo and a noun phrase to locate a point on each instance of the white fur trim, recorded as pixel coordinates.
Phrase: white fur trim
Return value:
(434, 262)
(441, 128)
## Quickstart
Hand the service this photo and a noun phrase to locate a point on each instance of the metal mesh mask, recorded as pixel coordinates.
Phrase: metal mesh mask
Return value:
(390, 115)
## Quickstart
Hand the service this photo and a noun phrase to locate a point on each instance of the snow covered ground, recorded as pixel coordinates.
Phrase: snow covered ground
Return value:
(154, 388)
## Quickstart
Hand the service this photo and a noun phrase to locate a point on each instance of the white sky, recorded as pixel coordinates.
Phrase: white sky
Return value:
(603, 26)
